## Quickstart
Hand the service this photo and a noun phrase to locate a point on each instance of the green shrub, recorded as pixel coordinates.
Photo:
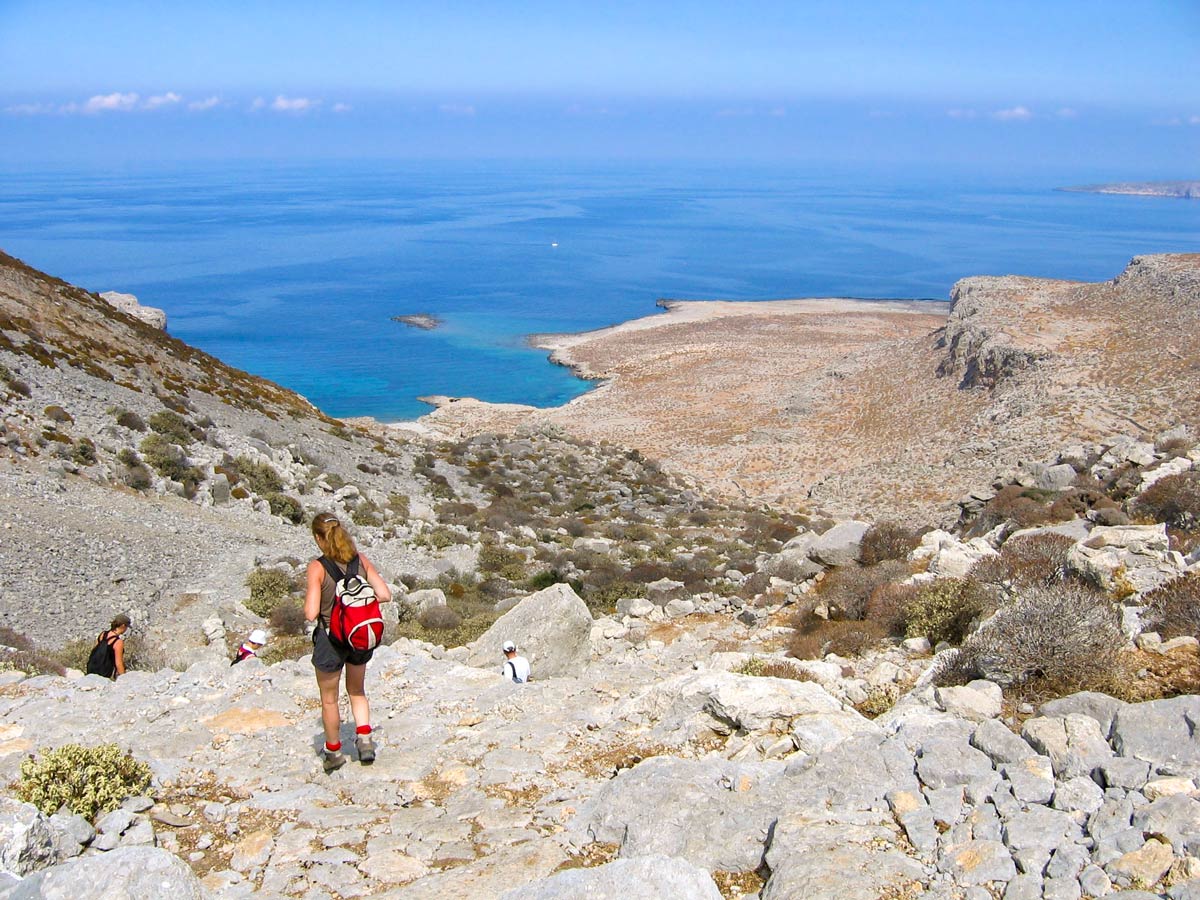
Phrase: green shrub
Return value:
(887, 540)
(506, 563)
(888, 606)
(267, 588)
(847, 589)
(287, 617)
(167, 459)
(131, 420)
(399, 506)
(84, 452)
(366, 514)
(287, 508)
(260, 476)
(87, 780)
(438, 538)
(172, 426)
(56, 413)
(136, 475)
(944, 610)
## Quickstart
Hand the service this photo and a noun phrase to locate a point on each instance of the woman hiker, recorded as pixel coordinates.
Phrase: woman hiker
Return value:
(338, 548)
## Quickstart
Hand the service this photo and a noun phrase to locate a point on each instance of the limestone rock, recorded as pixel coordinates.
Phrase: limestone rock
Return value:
(644, 878)
(1093, 704)
(975, 702)
(1161, 732)
(552, 628)
(26, 842)
(977, 862)
(1074, 743)
(839, 546)
(135, 873)
(419, 601)
(1146, 865)
(1139, 554)
(827, 860)
(948, 556)
(1000, 744)
(128, 304)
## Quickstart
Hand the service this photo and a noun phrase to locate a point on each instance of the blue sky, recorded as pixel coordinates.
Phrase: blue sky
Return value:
(1109, 87)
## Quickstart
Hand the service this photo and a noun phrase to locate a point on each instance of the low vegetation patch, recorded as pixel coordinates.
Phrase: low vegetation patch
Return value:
(18, 653)
(887, 540)
(815, 638)
(765, 667)
(1174, 608)
(1174, 500)
(87, 780)
(944, 610)
(267, 588)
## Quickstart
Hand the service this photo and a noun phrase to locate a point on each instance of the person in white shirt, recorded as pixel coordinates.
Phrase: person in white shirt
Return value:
(515, 667)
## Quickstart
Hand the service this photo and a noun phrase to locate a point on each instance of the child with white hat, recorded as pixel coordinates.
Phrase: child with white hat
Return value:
(255, 642)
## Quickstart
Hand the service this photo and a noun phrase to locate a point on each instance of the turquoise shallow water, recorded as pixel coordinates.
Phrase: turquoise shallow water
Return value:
(294, 272)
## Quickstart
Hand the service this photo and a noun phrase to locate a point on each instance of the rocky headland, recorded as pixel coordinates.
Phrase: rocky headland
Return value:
(1188, 190)
(423, 321)
(823, 696)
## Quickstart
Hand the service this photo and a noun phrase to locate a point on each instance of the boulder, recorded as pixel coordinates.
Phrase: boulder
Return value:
(1176, 466)
(419, 601)
(636, 607)
(793, 562)
(818, 859)
(1074, 743)
(552, 628)
(661, 592)
(977, 862)
(1000, 744)
(1139, 555)
(948, 556)
(1056, 478)
(1093, 704)
(593, 544)
(840, 545)
(976, 701)
(645, 878)
(134, 873)
(26, 839)
(1160, 732)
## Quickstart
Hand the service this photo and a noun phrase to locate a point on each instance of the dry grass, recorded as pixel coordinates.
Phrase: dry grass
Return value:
(735, 885)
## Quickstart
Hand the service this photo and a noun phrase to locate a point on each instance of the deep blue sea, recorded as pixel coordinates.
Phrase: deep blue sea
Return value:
(294, 272)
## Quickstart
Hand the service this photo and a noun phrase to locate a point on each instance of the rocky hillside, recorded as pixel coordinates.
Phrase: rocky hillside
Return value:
(729, 700)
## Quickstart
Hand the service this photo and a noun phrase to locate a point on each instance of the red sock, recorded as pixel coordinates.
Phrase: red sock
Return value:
(363, 729)
(334, 747)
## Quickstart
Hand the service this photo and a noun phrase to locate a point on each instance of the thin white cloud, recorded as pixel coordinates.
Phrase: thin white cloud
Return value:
(170, 98)
(31, 109)
(962, 113)
(736, 112)
(115, 102)
(777, 113)
(206, 104)
(457, 109)
(294, 104)
(342, 107)
(259, 103)
(1013, 114)
(1194, 120)
(1067, 113)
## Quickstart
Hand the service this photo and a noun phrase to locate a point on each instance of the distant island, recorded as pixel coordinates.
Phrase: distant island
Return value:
(1189, 190)
(424, 321)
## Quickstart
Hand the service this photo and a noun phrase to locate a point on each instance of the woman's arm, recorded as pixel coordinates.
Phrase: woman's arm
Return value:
(312, 590)
(383, 593)
(119, 655)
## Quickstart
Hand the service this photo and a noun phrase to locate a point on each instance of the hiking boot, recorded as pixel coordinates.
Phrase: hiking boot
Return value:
(333, 760)
(366, 749)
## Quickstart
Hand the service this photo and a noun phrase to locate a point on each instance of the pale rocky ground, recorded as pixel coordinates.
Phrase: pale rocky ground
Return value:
(890, 407)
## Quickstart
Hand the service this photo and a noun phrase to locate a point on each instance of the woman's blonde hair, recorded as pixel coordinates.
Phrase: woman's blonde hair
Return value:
(333, 539)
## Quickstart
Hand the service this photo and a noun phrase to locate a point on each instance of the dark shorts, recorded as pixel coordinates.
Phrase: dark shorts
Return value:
(328, 658)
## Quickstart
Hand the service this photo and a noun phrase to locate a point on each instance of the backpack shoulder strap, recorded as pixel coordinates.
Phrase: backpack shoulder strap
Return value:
(331, 570)
(512, 667)
(352, 566)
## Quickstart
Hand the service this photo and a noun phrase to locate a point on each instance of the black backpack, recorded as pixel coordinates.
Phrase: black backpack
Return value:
(103, 661)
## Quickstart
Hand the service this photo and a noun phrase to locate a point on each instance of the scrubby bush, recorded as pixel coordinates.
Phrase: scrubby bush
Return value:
(439, 618)
(267, 588)
(287, 617)
(131, 420)
(83, 453)
(887, 540)
(145, 655)
(398, 504)
(136, 475)
(816, 638)
(879, 700)
(1174, 500)
(163, 456)
(260, 476)
(944, 610)
(764, 667)
(502, 561)
(18, 653)
(1174, 608)
(287, 508)
(56, 413)
(1031, 559)
(888, 606)
(1066, 635)
(87, 780)
(847, 589)
(172, 426)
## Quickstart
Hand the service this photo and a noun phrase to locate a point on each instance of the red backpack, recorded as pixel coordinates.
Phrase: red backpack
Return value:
(355, 622)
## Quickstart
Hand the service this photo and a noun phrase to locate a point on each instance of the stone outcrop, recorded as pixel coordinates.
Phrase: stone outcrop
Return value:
(552, 629)
(128, 304)
(979, 351)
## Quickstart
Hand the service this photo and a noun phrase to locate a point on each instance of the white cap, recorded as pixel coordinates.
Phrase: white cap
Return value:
(258, 636)
(509, 647)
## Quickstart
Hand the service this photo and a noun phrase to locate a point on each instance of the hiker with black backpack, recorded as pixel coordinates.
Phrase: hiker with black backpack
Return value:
(341, 606)
(108, 656)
